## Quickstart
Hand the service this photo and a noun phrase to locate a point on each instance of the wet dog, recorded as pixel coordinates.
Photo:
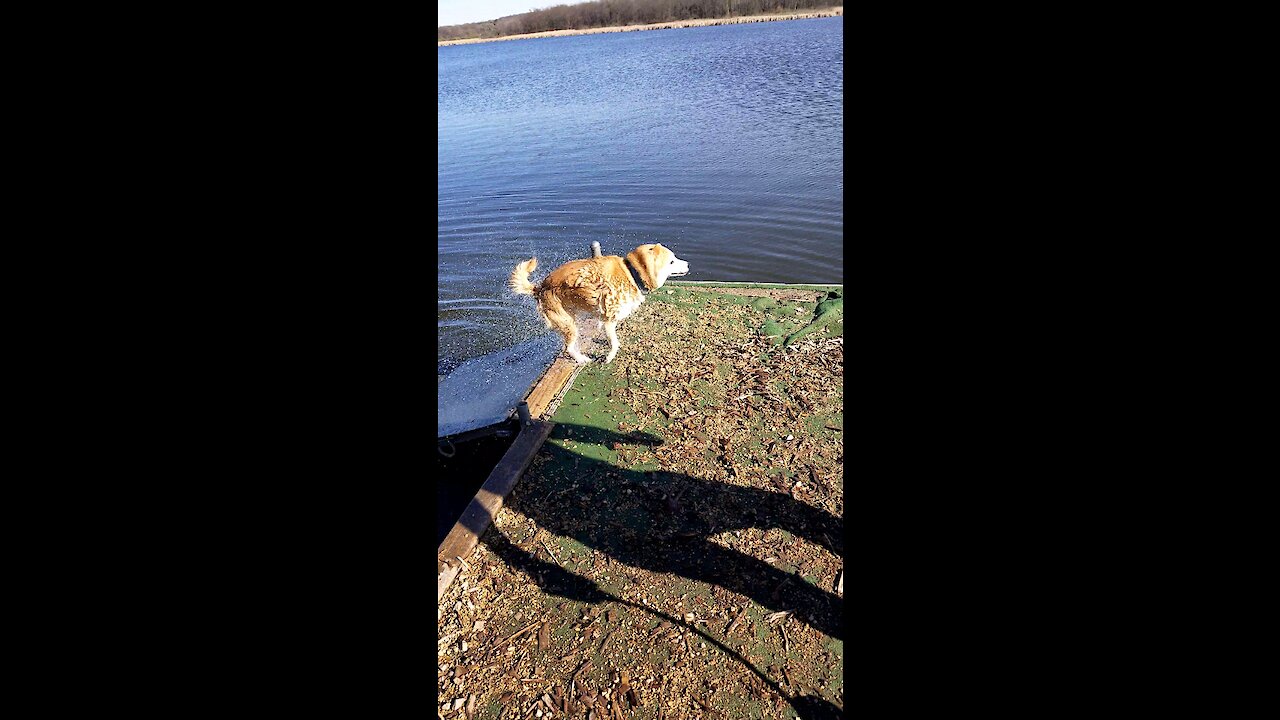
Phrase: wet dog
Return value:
(601, 288)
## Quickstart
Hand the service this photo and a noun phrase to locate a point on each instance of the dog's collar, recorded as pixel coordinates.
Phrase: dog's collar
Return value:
(635, 276)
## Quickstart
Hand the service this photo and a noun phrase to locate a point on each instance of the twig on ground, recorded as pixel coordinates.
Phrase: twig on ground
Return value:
(553, 555)
(738, 619)
(527, 628)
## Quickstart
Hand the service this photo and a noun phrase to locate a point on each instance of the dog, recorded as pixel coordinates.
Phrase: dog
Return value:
(600, 288)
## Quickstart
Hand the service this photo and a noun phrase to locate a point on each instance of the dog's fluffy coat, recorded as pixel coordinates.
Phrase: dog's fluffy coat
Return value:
(599, 288)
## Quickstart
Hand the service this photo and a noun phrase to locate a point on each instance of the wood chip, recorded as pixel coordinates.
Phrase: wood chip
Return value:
(840, 584)
(624, 685)
(544, 636)
(710, 710)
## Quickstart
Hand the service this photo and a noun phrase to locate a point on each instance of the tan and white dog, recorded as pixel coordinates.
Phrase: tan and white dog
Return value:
(600, 288)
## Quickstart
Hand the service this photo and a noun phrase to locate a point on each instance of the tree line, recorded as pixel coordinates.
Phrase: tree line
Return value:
(608, 13)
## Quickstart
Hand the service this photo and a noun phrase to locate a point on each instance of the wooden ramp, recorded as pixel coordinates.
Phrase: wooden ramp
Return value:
(479, 514)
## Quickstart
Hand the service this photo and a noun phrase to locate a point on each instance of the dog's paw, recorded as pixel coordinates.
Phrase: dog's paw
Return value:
(609, 358)
(580, 358)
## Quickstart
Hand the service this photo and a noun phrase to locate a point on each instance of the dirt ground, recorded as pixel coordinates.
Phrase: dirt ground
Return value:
(676, 548)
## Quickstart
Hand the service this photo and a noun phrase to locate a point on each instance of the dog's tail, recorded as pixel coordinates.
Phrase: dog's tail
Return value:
(519, 282)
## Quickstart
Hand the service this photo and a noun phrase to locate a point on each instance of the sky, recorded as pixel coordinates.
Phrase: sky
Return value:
(456, 12)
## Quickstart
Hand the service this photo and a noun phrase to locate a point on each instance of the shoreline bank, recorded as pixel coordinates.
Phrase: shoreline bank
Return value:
(676, 538)
(702, 22)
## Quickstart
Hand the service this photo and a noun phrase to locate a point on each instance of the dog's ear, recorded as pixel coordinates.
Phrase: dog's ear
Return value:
(643, 259)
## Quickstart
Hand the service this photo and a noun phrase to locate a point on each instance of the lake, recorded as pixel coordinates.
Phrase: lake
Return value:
(723, 143)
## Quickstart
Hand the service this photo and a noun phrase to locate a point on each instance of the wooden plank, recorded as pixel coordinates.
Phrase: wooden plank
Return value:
(479, 514)
(548, 388)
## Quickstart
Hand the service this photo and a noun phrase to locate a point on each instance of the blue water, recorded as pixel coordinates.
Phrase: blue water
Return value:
(723, 143)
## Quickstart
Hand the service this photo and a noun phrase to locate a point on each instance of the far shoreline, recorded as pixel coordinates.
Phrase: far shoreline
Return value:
(701, 22)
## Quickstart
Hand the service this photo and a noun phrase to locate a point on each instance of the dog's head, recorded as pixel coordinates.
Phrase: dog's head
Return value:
(654, 264)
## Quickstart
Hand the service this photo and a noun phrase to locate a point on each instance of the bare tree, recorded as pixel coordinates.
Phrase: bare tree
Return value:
(610, 13)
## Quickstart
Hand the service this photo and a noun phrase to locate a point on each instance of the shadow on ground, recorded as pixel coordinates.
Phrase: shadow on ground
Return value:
(663, 525)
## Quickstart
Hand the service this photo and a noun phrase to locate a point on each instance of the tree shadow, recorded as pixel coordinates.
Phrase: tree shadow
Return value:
(664, 523)
(555, 580)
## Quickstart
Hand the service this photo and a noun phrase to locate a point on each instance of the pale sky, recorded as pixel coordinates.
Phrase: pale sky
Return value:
(456, 12)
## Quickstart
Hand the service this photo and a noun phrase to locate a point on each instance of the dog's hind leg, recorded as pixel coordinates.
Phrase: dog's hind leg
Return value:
(611, 330)
(571, 344)
(564, 324)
